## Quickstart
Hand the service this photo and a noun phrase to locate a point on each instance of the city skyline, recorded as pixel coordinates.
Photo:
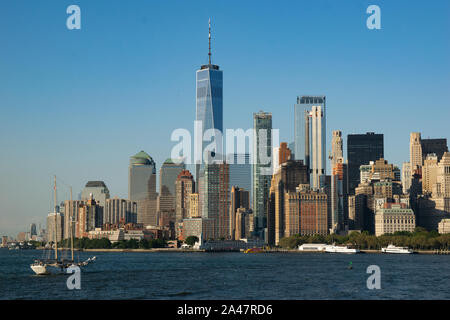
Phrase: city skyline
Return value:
(77, 168)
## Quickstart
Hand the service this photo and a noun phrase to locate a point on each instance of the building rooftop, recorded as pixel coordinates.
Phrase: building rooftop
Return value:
(94, 184)
(141, 158)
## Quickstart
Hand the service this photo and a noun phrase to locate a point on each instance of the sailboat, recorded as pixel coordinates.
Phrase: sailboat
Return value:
(49, 266)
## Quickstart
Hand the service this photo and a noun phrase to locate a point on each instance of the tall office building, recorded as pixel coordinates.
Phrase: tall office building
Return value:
(240, 171)
(434, 146)
(339, 185)
(209, 102)
(281, 155)
(339, 197)
(90, 216)
(194, 207)
(214, 195)
(318, 146)
(142, 187)
(291, 146)
(415, 152)
(120, 211)
(262, 167)
(361, 149)
(406, 177)
(71, 210)
(51, 227)
(290, 175)
(337, 148)
(239, 198)
(442, 186)
(313, 212)
(244, 224)
(33, 231)
(429, 173)
(284, 154)
(99, 191)
(435, 207)
(310, 136)
(184, 187)
(168, 174)
(305, 212)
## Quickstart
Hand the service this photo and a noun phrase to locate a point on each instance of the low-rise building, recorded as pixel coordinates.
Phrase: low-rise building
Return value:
(394, 217)
(198, 227)
(112, 235)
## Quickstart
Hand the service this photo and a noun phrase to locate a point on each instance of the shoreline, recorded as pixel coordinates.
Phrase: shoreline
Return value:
(364, 251)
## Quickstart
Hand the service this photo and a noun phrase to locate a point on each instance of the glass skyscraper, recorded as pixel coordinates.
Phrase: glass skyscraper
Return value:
(209, 97)
(361, 149)
(240, 171)
(168, 174)
(142, 187)
(99, 191)
(261, 176)
(209, 102)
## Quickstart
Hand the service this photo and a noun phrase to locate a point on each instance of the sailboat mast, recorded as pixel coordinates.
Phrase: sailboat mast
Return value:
(56, 225)
(71, 222)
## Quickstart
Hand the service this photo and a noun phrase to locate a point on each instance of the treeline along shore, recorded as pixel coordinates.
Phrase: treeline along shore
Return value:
(421, 241)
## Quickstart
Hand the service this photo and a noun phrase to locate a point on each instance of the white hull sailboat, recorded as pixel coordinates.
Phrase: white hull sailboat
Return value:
(55, 266)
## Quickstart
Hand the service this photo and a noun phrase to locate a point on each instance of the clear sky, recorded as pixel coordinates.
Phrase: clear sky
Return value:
(79, 103)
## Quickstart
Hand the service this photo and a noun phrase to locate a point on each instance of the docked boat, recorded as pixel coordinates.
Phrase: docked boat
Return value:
(393, 249)
(312, 247)
(254, 250)
(340, 249)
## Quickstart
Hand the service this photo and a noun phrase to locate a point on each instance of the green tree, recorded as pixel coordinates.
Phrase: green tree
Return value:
(191, 240)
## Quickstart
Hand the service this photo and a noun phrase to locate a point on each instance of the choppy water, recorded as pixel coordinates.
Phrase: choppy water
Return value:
(230, 276)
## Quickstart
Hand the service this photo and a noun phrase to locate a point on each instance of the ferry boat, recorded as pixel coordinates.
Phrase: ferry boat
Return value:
(312, 247)
(393, 249)
(340, 249)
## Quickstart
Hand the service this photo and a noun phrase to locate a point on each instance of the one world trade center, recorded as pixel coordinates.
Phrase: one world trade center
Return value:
(209, 104)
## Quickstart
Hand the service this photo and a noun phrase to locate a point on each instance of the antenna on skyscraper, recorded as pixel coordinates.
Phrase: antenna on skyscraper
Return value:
(209, 39)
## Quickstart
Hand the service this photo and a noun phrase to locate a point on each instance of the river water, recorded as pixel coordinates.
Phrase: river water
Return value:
(205, 276)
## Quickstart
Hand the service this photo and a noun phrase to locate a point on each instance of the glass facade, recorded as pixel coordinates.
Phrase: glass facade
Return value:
(261, 181)
(142, 177)
(168, 175)
(209, 100)
(361, 149)
(240, 171)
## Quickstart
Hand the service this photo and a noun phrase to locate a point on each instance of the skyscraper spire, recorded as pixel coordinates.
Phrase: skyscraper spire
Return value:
(209, 39)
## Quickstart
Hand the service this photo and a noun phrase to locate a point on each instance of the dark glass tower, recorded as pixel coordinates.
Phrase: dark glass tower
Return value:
(361, 149)
(436, 146)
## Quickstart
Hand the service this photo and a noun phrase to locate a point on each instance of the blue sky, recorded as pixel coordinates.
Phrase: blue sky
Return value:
(79, 103)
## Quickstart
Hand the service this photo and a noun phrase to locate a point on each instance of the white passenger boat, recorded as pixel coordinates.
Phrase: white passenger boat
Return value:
(312, 247)
(393, 249)
(340, 249)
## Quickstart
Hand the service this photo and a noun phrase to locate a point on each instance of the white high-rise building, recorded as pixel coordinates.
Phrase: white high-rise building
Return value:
(406, 177)
(318, 147)
(337, 154)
